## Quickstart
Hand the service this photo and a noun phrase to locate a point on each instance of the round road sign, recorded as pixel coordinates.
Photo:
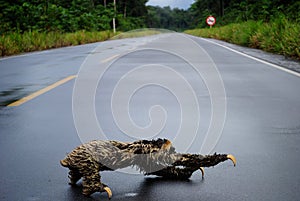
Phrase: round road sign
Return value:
(211, 20)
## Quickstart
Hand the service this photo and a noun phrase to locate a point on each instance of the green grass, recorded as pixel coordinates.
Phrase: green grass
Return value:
(16, 43)
(278, 36)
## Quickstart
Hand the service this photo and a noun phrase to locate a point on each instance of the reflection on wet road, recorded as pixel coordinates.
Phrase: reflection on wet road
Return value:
(23, 75)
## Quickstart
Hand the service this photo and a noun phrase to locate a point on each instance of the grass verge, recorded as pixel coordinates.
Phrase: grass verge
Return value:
(16, 43)
(279, 36)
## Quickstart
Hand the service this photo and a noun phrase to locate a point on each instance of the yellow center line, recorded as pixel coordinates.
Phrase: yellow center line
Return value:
(40, 92)
(50, 87)
(110, 58)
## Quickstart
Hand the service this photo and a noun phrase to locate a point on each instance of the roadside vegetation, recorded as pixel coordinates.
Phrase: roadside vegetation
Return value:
(30, 25)
(15, 43)
(273, 26)
(27, 25)
(279, 36)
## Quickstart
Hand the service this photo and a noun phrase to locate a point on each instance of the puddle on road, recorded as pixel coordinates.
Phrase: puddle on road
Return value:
(12, 95)
(11, 92)
(8, 97)
(16, 93)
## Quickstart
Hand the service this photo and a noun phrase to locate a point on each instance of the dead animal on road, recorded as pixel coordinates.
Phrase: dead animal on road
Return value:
(151, 157)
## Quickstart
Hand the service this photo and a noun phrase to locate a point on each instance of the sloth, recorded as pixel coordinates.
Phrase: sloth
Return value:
(151, 157)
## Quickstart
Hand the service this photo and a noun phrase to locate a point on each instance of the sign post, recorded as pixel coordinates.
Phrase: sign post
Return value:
(210, 21)
(114, 18)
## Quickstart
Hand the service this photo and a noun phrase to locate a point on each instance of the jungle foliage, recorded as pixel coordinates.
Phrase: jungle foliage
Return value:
(273, 26)
(235, 11)
(96, 15)
(70, 15)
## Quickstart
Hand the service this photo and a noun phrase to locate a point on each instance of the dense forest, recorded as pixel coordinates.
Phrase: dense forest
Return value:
(232, 11)
(96, 15)
(70, 15)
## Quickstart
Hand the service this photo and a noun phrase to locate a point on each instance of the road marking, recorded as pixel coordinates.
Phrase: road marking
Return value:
(40, 92)
(110, 58)
(256, 59)
(50, 87)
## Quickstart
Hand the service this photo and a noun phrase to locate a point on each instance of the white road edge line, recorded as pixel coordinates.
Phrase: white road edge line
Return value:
(254, 58)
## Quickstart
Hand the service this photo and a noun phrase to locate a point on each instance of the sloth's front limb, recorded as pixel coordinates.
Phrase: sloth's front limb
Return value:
(197, 160)
(186, 164)
(173, 172)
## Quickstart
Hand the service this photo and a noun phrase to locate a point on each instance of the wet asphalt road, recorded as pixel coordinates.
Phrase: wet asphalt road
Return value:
(261, 128)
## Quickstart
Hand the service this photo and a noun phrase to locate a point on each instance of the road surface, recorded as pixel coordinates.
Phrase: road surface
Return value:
(253, 106)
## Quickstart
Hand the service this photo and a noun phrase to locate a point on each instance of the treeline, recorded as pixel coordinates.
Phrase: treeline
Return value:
(167, 18)
(225, 11)
(70, 15)
(96, 15)
(234, 11)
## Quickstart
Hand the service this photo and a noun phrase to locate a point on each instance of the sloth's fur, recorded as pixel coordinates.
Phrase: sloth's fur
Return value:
(151, 157)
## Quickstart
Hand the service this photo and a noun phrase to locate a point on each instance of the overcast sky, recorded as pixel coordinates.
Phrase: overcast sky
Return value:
(184, 4)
